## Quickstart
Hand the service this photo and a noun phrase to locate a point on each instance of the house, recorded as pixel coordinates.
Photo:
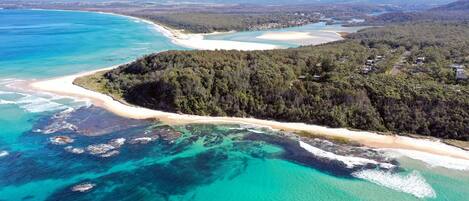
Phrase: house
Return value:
(456, 66)
(370, 62)
(302, 77)
(461, 74)
(459, 71)
(366, 69)
(379, 57)
(420, 60)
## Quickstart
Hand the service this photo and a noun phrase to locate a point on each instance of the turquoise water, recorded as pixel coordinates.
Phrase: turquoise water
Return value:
(188, 162)
(36, 43)
(319, 29)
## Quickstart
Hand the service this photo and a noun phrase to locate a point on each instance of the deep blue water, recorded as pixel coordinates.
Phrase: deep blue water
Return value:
(155, 162)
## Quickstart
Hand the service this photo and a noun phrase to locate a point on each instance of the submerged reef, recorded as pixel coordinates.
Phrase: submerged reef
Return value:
(140, 158)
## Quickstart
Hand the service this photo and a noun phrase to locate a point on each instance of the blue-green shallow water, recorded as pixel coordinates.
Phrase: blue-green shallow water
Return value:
(37, 43)
(320, 29)
(208, 162)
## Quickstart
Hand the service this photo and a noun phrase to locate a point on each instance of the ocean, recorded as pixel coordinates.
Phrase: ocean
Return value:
(59, 148)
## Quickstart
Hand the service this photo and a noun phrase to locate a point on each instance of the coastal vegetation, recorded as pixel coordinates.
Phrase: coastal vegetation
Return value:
(207, 18)
(256, 17)
(456, 12)
(323, 85)
(221, 22)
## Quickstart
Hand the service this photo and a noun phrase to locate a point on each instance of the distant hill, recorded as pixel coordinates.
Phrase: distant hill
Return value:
(400, 2)
(462, 5)
(457, 11)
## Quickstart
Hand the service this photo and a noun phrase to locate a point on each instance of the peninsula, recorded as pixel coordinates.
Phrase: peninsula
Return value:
(328, 85)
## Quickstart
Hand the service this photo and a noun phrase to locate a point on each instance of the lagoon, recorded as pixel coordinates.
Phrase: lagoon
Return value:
(206, 162)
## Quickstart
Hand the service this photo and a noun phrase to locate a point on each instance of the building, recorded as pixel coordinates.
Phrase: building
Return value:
(366, 69)
(459, 71)
(456, 66)
(420, 60)
(461, 74)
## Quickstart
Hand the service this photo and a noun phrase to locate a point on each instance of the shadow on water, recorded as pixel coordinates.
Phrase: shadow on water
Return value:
(158, 181)
(155, 162)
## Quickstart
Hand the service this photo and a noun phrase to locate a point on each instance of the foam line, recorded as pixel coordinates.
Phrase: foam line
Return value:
(432, 160)
(350, 161)
(413, 183)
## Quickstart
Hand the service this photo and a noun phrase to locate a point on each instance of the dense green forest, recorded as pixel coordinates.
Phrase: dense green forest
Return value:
(253, 17)
(323, 85)
(222, 22)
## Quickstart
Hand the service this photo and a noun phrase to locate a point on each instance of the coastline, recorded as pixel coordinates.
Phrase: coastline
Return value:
(199, 42)
(193, 41)
(64, 86)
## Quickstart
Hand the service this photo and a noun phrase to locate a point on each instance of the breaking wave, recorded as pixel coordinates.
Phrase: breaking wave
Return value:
(34, 104)
(32, 101)
(432, 160)
(349, 161)
(413, 183)
(3, 154)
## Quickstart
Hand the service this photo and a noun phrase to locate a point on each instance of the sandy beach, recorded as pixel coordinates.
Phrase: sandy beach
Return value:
(315, 37)
(197, 41)
(64, 86)
(286, 36)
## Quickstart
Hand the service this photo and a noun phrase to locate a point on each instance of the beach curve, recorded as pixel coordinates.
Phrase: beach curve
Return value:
(64, 86)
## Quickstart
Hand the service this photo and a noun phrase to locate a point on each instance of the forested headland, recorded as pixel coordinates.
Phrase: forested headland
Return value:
(397, 78)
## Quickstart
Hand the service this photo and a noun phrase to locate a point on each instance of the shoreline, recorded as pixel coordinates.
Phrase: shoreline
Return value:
(187, 40)
(199, 42)
(64, 86)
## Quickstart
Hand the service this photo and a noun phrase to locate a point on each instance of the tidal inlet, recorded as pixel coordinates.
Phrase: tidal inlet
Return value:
(234, 100)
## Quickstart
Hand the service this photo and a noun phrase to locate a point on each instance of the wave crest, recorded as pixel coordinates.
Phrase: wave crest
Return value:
(349, 161)
(413, 183)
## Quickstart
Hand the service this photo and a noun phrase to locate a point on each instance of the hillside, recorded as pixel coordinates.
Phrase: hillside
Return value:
(371, 81)
(461, 5)
(452, 12)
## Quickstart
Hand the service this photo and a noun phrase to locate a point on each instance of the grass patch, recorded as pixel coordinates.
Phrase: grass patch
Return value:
(97, 82)
(337, 139)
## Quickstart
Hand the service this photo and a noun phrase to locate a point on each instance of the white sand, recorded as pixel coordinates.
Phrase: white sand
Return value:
(197, 41)
(64, 86)
(314, 37)
(286, 36)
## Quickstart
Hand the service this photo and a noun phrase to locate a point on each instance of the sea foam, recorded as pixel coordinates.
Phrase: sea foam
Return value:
(36, 104)
(32, 103)
(413, 183)
(3, 154)
(349, 161)
(431, 160)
